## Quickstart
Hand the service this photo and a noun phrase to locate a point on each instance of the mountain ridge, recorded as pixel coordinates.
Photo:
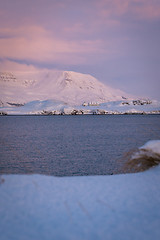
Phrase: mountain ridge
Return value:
(65, 92)
(68, 86)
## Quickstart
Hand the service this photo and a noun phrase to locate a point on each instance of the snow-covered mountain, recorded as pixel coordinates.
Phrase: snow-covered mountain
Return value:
(70, 87)
(64, 92)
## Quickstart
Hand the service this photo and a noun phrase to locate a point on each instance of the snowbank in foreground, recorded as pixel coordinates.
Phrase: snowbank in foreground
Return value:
(152, 146)
(144, 157)
(123, 206)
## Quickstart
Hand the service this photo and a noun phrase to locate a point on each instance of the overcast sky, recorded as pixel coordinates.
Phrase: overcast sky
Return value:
(116, 41)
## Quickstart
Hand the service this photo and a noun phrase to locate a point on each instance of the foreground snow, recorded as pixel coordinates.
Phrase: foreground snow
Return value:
(123, 206)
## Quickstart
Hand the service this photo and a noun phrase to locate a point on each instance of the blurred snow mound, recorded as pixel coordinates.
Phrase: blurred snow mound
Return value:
(153, 146)
(144, 157)
(151, 149)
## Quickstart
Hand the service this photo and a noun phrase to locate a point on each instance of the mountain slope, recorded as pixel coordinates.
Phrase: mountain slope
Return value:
(70, 87)
(65, 92)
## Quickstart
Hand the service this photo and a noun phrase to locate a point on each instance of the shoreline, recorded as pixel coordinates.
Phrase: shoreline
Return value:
(90, 114)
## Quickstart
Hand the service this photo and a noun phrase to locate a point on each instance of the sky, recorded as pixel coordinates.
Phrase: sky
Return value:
(116, 41)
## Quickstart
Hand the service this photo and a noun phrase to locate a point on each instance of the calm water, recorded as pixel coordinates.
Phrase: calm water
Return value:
(72, 145)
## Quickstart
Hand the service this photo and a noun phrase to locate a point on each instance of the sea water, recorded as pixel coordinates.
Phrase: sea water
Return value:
(72, 145)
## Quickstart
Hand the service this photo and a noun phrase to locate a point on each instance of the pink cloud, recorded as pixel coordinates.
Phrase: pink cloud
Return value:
(145, 9)
(93, 34)
(77, 27)
(36, 44)
(113, 7)
(110, 14)
(7, 65)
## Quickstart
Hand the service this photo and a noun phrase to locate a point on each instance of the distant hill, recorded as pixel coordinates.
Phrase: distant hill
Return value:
(69, 87)
(65, 92)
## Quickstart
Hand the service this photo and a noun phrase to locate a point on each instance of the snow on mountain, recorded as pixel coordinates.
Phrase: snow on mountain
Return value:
(70, 87)
(65, 92)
